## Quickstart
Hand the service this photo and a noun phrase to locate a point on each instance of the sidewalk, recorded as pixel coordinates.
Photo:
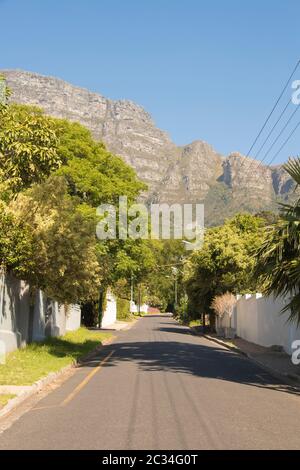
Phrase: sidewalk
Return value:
(117, 326)
(277, 363)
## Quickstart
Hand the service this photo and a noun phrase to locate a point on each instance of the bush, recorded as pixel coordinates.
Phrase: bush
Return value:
(182, 310)
(123, 309)
(224, 304)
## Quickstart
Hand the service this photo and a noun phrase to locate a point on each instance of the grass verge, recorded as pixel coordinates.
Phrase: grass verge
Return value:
(195, 323)
(4, 399)
(26, 366)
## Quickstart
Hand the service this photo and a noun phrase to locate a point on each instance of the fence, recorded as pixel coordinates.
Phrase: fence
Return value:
(110, 314)
(258, 319)
(20, 323)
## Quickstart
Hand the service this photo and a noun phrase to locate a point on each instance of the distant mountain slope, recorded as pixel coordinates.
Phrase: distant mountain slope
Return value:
(193, 173)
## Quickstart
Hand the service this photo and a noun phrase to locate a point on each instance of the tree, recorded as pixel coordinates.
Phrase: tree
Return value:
(278, 260)
(223, 264)
(223, 305)
(28, 148)
(64, 262)
(93, 173)
(60, 210)
(161, 279)
(28, 154)
(96, 176)
(16, 244)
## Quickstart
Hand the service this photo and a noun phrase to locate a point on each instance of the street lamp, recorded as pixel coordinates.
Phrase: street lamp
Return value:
(175, 274)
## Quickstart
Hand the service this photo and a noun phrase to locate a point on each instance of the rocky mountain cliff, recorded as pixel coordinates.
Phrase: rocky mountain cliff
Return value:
(193, 173)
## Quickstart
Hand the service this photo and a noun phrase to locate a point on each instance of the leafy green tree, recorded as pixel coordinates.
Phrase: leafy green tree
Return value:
(278, 257)
(64, 262)
(224, 263)
(16, 244)
(96, 176)
(123, 262)
(93, 173)
(66, 259)
(28, 148)
(169, 254)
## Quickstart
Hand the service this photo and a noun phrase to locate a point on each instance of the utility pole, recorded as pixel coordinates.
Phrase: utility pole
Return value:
(176, 293)
(131, 288)
(139, 300)
(100, 307)
(175, 273)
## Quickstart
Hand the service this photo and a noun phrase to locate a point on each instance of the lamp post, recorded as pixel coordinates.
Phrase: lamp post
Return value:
(175, 274)
(131, 288)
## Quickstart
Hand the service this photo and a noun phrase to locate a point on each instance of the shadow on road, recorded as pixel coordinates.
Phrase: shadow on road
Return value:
(178, 330)
(199, 360)
(174, 349)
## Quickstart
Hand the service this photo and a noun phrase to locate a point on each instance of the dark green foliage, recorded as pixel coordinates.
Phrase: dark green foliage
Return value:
(28, 147)
(278, 258)
(16, 245)
(93, 173)
(123, 309)
(224, 263)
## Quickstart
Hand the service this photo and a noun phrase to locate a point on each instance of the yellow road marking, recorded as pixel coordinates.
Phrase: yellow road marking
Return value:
(44, 407)
(86, 380)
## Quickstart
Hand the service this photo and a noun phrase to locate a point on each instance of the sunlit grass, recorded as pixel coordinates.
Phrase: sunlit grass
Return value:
(4, 399)
(194, 323)
(26, 366)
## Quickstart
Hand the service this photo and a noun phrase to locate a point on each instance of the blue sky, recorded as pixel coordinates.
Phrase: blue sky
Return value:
(204, 69)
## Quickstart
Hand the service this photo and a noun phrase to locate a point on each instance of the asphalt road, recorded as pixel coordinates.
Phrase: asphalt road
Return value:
(160, 387)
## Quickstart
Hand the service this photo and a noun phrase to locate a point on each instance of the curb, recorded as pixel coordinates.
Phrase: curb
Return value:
(290, 379)
(35, 388)
(49, 379)
(226, 345)
(286, 377)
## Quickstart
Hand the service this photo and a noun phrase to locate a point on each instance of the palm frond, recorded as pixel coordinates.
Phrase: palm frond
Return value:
(278, 258)
(293, 309)
(292, 167)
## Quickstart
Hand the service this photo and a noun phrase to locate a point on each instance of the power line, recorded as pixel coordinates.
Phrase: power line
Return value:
(267, 138)
(273, 109)
(284, 143)
(273, 128)
(278, 137)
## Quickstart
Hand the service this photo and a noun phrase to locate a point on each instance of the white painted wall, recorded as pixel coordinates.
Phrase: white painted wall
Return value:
(39, 321)
(258, 319)
(144, 308)
(14, 312)
(73, 318)
(134, 308)
(110, 314)
(48, 319)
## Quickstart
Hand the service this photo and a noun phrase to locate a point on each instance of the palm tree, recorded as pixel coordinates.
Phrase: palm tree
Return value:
(278, 258)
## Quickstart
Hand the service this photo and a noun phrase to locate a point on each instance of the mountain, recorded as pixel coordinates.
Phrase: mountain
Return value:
(188, 174)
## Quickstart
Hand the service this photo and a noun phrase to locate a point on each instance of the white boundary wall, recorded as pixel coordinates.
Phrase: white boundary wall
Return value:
(73, 318)
(258, 319)
(134, 308)
(110, 314)
(19, 324)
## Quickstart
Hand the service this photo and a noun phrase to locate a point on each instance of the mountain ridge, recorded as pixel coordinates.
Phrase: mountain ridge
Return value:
(192, 173)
